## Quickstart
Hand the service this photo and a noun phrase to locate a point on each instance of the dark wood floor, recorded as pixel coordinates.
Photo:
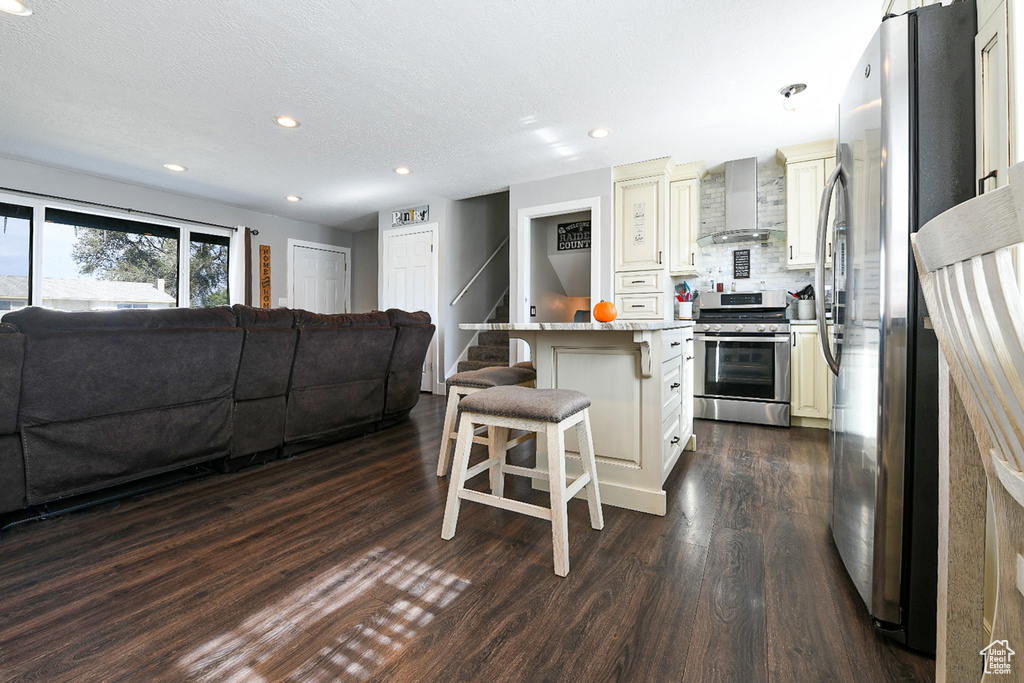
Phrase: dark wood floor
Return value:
(330, 566)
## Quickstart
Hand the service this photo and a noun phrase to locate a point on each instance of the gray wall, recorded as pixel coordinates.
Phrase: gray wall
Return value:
(597, 183)
(546, 290)
(274, 230)
(365, 262)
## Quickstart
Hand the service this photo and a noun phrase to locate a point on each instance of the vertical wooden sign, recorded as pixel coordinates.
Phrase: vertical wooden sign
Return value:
(265, 276)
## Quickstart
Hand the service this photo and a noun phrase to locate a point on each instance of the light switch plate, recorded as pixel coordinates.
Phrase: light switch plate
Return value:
(282, 303)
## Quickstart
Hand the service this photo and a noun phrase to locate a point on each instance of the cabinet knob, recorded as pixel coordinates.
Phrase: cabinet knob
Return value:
(674, 385)
(675, 440)
(791, 253)
(691, 338)
(689, 358)
(675, 343)
(638, 282)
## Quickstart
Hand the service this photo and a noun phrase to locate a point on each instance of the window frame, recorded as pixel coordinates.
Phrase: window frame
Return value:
(37, 233)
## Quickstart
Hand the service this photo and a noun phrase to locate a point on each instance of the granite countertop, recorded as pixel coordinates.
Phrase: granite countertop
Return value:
(828, 321)
(616, 326)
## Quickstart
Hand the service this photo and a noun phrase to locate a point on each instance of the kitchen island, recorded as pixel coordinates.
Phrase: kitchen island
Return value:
(639, 377)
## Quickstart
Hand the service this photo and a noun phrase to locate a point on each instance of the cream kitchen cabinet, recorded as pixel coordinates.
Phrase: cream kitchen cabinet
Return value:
(640, 223)
(807, 168)
(684, 218)
(810, 379)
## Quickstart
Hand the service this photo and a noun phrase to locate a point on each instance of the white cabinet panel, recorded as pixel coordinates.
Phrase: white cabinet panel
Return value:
(639, 212)
(810, 383)
(805, 182)
(684, 226)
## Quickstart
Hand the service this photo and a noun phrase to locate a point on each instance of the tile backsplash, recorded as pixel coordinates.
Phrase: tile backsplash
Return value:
(767, 259)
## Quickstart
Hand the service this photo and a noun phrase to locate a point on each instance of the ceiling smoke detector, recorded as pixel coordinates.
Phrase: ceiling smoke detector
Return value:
(787, 95)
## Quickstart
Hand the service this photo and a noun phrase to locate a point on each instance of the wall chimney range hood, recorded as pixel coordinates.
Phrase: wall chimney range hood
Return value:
(741, 207)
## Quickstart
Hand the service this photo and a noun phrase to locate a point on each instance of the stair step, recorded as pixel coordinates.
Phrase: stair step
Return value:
(477, 364)
(493, 353)
(501, 312)
(495, 338)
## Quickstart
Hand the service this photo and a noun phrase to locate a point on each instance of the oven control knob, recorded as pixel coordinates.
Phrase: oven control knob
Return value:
(773, 328)
(760, 328)
(739, 328)
(716, 328)
(705, 327)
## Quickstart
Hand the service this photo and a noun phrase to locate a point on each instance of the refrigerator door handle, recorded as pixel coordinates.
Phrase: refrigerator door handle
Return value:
(819, 268)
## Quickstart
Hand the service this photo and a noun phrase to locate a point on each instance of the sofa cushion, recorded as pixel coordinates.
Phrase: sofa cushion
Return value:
(400, 317)
(12, 355)
(335, 356)
(406, 369)
(73, 375)
(258, 425)
(250, 317)
(308, 319)
(12, 474)
(35, 320)
(64, 458)
(315, 411)
(266, 367)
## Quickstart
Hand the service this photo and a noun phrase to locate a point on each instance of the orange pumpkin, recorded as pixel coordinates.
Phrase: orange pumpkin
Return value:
(605, 312)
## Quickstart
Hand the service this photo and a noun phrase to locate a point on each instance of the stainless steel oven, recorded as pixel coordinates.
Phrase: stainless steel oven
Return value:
(742, 358)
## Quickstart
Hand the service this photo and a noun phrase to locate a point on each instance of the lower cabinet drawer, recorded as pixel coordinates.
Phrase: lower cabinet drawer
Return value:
(627, 283)
(640, 306)
(672, 342)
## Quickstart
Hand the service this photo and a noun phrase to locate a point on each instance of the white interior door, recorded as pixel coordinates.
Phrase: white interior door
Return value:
(319, 280)
(410, 283)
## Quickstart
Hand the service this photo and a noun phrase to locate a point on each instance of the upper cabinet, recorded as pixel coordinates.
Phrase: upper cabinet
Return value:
(684, 218)
(641, 198)
(807, 167)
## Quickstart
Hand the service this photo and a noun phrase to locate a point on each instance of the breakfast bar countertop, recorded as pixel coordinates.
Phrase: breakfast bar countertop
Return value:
(615, 326)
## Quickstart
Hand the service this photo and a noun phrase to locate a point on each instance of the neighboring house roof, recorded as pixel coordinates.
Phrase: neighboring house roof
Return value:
(15, 287)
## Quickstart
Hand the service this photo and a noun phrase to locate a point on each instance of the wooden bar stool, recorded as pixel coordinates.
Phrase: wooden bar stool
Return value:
(465, 383)
(541, 411)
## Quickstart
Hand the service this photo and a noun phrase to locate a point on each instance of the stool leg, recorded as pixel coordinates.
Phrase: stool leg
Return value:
(559, 513)
(451, 414)
(497, 446)
(457, 481)
(586, 440)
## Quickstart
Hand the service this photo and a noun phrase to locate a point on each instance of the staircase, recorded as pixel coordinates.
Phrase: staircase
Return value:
(491, 348)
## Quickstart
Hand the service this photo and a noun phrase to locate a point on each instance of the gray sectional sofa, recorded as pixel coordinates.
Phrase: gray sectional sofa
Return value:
(94, 399)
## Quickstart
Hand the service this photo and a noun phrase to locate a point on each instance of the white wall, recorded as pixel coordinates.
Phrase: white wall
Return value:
(274, 230)
(597, 183)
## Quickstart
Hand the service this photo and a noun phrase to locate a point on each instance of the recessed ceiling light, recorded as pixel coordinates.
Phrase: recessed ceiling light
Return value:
(402, 170)
(283, 121)
(599, 133)
(294, 198)
(177, 168)
(15, 7)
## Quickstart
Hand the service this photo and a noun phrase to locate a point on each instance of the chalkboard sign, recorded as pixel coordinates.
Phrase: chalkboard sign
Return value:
(574, 235)
(741, 264)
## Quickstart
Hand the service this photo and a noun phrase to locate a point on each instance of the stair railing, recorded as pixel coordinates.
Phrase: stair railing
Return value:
(473, 279)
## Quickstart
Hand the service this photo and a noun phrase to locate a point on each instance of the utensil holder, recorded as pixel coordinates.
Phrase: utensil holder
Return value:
(684, 310)
(805, 309)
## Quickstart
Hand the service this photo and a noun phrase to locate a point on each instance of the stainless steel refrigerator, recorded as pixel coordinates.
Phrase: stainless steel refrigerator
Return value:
(905, 154)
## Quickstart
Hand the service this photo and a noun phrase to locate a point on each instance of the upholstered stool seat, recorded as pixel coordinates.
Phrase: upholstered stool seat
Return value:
(464, 383)
(543, 411)
(546, 405)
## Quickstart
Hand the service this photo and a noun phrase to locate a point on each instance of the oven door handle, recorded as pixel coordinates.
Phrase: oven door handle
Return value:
(775, 339)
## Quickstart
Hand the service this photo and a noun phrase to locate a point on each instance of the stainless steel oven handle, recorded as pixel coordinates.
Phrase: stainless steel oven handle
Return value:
(773, 339)
(819, 268)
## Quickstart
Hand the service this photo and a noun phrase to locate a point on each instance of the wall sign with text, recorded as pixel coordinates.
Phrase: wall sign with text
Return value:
(265, 276)
(419, 214)
(574, 235)
(741, 264)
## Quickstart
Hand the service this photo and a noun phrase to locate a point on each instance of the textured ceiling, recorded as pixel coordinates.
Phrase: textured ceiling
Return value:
(473, 96)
